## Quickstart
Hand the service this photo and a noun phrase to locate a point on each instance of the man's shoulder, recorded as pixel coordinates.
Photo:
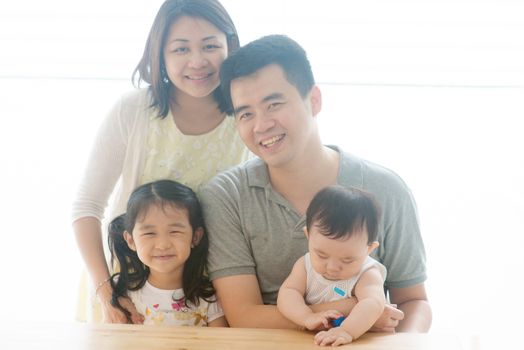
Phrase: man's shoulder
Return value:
(372, 176)
(237, 179)
(380, 172)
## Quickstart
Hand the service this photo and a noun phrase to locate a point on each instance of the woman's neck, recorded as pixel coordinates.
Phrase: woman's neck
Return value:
(195, 115)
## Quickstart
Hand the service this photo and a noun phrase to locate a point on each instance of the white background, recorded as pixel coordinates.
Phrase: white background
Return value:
(433, 89)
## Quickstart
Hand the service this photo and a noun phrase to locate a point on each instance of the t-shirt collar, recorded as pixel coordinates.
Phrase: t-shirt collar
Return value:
(350, 171)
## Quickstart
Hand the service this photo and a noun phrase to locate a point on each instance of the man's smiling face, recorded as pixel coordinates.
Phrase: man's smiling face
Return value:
(273, 120)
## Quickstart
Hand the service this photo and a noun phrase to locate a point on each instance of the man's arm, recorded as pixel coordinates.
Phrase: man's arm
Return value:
(414, 303)
(243, 306)
(344, 306)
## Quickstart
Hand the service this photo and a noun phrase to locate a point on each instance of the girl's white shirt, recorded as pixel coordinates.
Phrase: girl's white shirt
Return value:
(167, 307)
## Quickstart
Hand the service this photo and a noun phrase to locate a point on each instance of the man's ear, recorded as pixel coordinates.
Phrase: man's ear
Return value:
(315, 97)
(305, 232)
(372, 246)
(129, 240)
(197, 236)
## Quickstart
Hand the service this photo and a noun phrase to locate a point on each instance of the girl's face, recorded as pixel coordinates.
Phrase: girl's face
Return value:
(162, 238)
(193, 53)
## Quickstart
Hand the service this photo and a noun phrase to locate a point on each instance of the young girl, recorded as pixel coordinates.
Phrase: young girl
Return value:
(175, 127)
(341, 227)
(161, 247)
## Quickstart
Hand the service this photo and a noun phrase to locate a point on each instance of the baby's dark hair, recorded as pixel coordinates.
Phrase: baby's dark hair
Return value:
(133, 273)
(338, 212)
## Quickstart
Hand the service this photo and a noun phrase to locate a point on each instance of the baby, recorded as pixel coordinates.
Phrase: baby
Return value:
(341, 228)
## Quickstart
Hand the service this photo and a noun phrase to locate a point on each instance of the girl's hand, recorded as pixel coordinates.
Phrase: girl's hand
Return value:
(321, 320)
(334, 337)
(111, 314)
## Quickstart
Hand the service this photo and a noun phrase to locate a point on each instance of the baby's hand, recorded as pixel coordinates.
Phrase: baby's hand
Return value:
(321, 320)
(335, 336)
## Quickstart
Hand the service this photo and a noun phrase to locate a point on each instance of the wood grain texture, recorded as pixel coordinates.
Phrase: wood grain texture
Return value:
(132, 337)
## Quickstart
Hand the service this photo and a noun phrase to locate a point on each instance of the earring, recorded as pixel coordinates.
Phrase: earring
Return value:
(165, 79)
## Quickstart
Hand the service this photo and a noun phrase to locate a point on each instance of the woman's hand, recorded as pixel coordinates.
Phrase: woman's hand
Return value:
(111, 314)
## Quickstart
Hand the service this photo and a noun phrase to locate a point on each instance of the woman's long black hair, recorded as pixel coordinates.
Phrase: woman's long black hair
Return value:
(152, 68)
(133, 273)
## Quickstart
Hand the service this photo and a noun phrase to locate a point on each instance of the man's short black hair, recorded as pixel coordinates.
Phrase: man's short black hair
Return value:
(271, 49)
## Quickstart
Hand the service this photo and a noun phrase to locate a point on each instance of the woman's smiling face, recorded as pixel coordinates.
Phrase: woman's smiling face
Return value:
(193, 53)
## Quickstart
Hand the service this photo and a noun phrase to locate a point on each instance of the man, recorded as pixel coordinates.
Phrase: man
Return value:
(255, 212)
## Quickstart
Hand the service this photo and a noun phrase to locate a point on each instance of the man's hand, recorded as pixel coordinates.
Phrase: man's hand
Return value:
(334, 337)
(321, 320)
(413, 301)
(389, 319)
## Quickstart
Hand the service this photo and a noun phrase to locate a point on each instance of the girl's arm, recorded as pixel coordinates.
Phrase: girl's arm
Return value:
(218, 322)
(292, 305)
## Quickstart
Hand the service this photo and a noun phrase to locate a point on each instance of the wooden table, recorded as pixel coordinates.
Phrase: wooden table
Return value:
(47, 336)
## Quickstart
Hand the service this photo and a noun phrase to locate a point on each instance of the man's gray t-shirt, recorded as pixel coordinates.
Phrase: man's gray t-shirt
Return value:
(254, 230)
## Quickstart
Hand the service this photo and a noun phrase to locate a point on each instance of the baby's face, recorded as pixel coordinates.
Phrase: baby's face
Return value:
(337, 259)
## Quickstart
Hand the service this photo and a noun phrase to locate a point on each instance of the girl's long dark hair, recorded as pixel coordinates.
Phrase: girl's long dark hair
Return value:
(133, 273)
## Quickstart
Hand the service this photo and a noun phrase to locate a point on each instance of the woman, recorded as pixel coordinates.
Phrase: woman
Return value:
(174, 129)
